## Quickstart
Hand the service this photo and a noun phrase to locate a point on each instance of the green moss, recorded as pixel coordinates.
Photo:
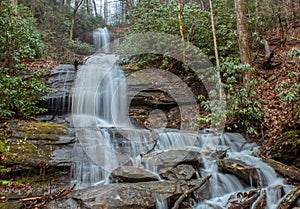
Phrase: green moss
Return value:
(42, 127)
(41, 130)
(21, 151)
(2, 145)
(4, 172)
(11, 205)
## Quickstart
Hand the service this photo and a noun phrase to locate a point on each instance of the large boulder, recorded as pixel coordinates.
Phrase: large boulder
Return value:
(124, 195)
(166, 160)
(37, 150)
(132, 174)
(240, 170)
(180, 172)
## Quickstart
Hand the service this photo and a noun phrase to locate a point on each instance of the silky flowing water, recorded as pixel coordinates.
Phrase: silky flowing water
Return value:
(101, 38)
(107, 140)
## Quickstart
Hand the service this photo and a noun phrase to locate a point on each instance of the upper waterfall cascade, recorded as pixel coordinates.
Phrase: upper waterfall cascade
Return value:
(101, 37)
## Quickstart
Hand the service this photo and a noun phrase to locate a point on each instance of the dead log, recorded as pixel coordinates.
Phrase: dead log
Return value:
(290, 199)
(187, 192)
(290, 171)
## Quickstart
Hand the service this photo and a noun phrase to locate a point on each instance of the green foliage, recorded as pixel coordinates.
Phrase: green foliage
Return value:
(21, 96)
(243, 104)
(295, 53)
(244, 108)
(56, 21)
(19, 41)
(79, 47)
(289, 93)
(160, 17)
(19, 38)
(86, 23)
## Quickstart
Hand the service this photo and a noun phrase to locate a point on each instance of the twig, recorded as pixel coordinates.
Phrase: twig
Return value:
(187, 192)
(45, 198)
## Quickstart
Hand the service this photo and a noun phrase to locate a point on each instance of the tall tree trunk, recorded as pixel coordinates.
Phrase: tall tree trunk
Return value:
(77, 5)
(129, 4)
(105, 12)
(213, 29)
(180, 18)
(214, 33)
(243, 35)
(61, 3)
(101, 9)
(11, 41)
(32, 7)
(87, 3)
(95, 8)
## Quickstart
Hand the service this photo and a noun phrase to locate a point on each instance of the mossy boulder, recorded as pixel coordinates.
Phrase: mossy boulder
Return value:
(35, 158)
(287, 149)
(27, 149)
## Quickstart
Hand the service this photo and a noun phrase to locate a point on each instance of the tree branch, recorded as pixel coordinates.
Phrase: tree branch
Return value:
(187, 192)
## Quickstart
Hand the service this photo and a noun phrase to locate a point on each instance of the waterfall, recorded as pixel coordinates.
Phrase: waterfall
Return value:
(107, 141)
(101, 38)
(100, 92)
(99, 99)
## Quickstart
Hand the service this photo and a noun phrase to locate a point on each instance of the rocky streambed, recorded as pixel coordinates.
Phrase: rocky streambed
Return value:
(161, 168)
(227, 176)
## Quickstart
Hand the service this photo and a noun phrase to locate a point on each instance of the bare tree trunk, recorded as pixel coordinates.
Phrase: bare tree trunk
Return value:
(243, 35)
(105, 13)
(32, 7)
(11, 40)
(129, 4)
(181, 28)
(95, 8)
(215, 44)
(77, 5)
(101, 9)
(87, 3)
(62, 3)
(214, 33)
(256, 13)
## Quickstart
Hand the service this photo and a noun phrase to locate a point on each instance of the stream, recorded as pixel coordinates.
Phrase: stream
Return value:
(107, 141)
(113, 156)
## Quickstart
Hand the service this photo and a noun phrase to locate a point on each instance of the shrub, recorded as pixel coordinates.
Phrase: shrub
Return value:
(19, 41)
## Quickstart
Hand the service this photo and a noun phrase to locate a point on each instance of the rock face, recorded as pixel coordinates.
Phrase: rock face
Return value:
(39, 150)
(180, 172)
(164, 161)
(239, 169)
(124, 195)
(142, 99)
(132, 174)
(61, 80)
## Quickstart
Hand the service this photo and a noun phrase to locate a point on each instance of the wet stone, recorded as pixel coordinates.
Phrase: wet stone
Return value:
(168, 159)
(132, 174)
(180, 172)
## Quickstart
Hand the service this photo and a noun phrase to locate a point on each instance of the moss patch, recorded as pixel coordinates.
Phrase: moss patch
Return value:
(41, 130)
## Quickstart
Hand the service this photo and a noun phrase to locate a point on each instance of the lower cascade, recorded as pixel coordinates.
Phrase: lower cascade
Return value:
(152, 168)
